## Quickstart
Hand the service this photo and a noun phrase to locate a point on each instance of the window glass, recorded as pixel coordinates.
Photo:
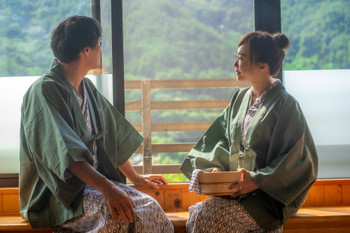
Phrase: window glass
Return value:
(177, 41)
(317, 73)
(25, 55)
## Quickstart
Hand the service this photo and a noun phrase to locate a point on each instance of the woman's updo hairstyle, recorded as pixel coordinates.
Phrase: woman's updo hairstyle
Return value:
(266, 48)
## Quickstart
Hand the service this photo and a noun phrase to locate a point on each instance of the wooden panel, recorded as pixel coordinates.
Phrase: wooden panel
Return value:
(176, 126)
(333, 181)
(169, 148)
(1, 204)
(133, 106)
(179, 104)
(158, 195)
(346, 194)
(173, 200)
(146, 127)
(190, 104)
(11, 203)
(16, 224)
(181, 126)
(333, 195)
(197, 83)
(315, 196)
(164, 169)
(172, 147)
(137, 126)
(132, 84)
(187, 83)
(189, 198)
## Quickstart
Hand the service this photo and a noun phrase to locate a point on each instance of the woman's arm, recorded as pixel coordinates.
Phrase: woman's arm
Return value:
(146, 180)
(116, 199)
(247, 185)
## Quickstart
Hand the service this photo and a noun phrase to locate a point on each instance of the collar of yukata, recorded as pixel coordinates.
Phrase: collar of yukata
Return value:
(76, 92)
(263, 95)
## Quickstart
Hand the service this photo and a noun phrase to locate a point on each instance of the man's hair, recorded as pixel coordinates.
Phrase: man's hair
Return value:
(72, 35)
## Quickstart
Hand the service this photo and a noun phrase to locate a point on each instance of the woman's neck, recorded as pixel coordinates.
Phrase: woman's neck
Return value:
(259, 86)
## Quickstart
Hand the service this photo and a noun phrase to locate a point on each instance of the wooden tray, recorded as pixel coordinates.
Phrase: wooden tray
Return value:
(218, 183)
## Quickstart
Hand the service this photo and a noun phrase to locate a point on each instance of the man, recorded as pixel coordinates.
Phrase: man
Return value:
(72, 140)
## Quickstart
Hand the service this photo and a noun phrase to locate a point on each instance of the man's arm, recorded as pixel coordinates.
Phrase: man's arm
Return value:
(116, 199)
(146, 180)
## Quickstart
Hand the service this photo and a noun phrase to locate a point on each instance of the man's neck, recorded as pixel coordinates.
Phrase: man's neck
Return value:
(74, 72)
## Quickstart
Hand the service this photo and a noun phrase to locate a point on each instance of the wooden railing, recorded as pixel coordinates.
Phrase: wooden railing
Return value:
(146, 105)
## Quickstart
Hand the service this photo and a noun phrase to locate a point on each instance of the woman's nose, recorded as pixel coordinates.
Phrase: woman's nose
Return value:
(235, 65)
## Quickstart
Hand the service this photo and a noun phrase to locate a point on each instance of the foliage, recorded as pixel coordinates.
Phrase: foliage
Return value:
(319, 32)
(25, 28)
(177, 39)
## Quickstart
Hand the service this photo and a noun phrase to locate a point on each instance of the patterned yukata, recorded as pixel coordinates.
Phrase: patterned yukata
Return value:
(222, 213)
(219, 214)
(97, 216)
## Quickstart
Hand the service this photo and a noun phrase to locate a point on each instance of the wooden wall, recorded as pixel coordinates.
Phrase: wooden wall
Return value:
(176, 197)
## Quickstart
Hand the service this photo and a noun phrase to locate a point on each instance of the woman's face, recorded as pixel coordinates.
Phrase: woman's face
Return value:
(244, 67)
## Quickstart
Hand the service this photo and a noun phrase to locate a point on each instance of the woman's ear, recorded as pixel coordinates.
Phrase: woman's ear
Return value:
(263, 67)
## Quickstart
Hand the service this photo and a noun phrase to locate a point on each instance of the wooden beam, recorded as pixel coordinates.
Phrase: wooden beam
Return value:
(161, 169)
(176, 126)
(197, 83)
(181, 126)
(146, 127)
(190, 104)
(133, 105)
(169, 148)
(180, 104)
(187, 83)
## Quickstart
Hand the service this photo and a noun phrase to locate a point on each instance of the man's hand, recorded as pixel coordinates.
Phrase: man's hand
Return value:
(117, 200)
(120, 203)
(151, 181)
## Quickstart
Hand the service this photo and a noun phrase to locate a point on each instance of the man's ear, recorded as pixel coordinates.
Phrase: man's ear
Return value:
(84, 52)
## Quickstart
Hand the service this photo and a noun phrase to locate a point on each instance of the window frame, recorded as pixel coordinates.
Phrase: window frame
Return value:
(267, 15)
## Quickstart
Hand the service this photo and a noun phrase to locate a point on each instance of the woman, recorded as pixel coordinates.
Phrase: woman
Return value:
(72, 141)
(264, 135)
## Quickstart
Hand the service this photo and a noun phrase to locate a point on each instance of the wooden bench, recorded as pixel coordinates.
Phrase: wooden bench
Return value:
(327, 208)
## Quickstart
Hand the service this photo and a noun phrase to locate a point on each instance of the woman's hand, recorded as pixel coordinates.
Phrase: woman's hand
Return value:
(246, 185)
(150, 181)
(120, 203)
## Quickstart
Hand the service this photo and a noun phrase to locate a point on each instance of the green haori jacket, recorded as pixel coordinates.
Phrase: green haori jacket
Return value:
(278, 150)
(53, 135)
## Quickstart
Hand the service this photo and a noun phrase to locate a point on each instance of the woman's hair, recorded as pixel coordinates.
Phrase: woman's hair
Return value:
(266, 48)
(72, 35)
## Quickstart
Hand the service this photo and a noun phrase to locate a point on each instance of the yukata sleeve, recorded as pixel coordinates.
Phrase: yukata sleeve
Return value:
(121, 139)
(294, 167)
(212, 149)
(51, 142)
(54, 146)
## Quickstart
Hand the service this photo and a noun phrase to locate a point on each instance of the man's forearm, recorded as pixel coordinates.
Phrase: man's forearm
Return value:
(129, 171)
(89, 175)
